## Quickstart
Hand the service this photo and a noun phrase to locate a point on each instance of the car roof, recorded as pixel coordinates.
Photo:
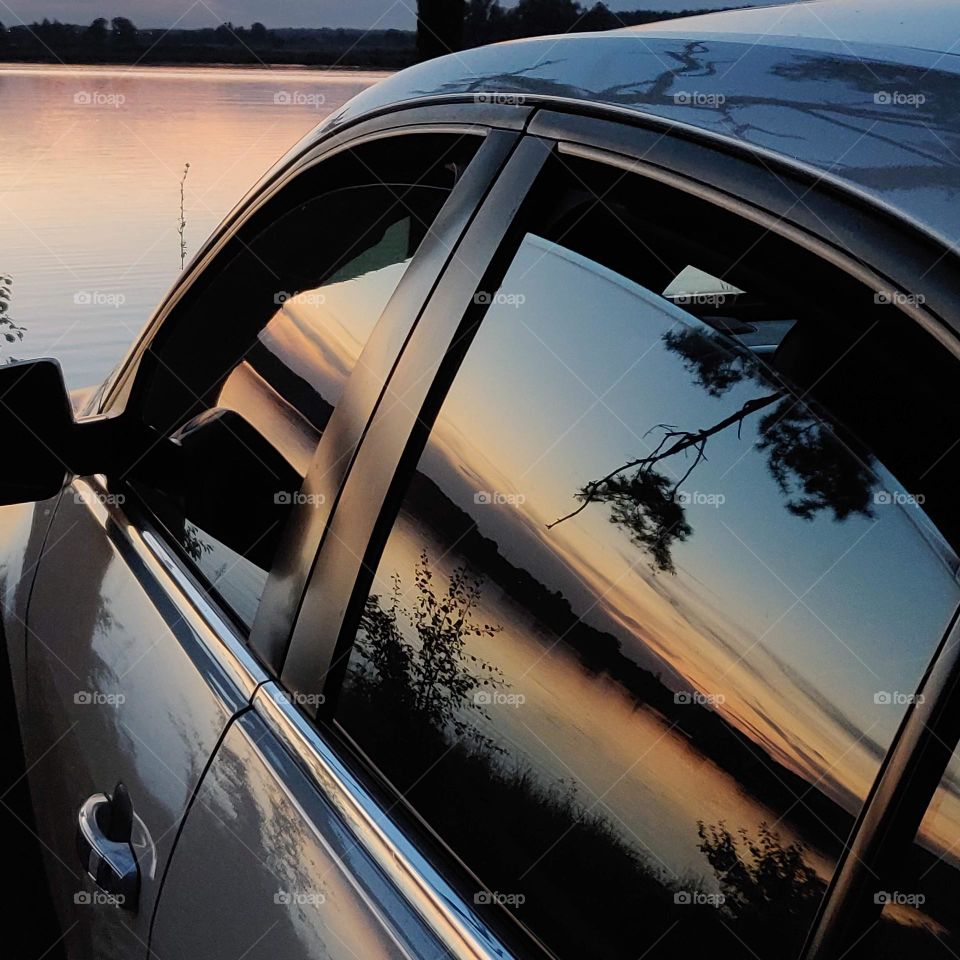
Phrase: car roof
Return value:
(864, 93)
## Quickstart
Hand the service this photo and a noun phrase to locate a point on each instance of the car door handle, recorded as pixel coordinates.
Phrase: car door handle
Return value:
(104, 829)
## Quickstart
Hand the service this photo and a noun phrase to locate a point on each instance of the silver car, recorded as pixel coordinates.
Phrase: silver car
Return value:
(528, 528)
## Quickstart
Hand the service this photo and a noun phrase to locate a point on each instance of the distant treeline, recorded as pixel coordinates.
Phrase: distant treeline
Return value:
(120, 41)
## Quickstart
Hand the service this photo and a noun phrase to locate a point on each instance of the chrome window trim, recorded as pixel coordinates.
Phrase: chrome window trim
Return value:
(441, 907)
(214, 629)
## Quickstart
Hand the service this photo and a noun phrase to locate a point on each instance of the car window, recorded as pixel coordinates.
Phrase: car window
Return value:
(250, 371)
(639, 636)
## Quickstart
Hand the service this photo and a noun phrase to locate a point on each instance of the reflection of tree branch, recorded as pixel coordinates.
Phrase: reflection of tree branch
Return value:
(685, 441)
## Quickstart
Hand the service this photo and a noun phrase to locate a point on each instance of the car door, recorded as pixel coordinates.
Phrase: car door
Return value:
(139, 651)
(620, 613)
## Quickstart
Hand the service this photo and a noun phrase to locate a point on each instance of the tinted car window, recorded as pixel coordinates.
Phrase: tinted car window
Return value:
(253, 367)
(640, 633)
(919, 909)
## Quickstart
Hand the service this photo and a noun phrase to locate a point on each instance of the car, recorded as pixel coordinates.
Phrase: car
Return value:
(528, 528)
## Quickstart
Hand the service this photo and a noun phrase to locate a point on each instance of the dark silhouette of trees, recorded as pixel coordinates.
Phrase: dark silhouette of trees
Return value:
(770, 892)
(123, 32)
(9, 331)
(439, 27)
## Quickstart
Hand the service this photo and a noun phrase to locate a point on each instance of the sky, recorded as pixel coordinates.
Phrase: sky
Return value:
(364, 14)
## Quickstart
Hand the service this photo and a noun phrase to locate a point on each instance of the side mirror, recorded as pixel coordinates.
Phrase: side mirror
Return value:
(38, 434)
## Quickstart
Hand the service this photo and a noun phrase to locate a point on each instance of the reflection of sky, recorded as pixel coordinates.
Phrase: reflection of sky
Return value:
(797, 623)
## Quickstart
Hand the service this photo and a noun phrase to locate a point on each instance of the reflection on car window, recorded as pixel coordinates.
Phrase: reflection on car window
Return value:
(293, 310)
(919, 918)
(637, 640)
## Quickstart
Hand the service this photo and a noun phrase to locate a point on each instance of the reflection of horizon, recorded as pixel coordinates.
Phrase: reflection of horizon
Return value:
(544, 729)
(799, 668)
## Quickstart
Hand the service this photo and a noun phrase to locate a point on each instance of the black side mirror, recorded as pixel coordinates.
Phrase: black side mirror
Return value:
(37, 431)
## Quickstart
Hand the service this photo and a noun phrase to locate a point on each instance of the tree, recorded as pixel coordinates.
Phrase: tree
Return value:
(123, 31)
(439, 27)
(98, 32)
(813, 470)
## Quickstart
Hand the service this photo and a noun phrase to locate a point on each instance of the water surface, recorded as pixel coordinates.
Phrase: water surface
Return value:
(90, 168)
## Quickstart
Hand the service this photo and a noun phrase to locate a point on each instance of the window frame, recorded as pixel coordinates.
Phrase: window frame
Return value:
(852, 234)
(269, 636)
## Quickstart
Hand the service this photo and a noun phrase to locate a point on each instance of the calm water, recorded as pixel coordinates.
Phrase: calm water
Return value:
(90, 169)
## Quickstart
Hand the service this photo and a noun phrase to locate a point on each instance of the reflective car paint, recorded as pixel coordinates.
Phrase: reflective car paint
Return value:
(129, 687)
(879, 119)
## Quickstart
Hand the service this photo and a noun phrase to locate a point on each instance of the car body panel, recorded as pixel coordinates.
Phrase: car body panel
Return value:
(129, 686)
(846, 110)
(266, 850)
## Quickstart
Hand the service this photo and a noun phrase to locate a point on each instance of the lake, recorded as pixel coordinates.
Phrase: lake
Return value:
(91, 166)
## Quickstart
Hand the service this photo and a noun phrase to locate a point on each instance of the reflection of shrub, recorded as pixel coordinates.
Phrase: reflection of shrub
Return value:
(10, 332)
(431, 679)
(768, 887)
